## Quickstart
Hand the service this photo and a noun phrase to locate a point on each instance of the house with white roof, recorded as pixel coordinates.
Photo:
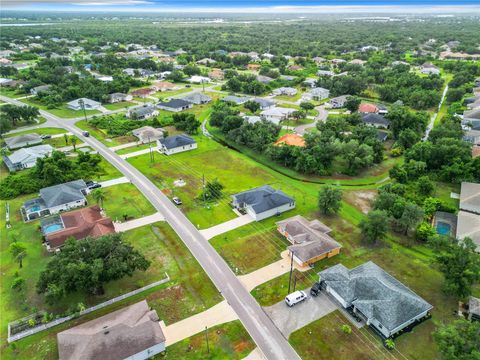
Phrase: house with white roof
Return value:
(81, 103)
(277, 114)
(26, 158)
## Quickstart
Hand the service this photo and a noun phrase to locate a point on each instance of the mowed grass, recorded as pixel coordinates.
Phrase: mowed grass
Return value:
(124, 199)
(188, 292)
(39, 131)
(61, 111)
(135, 148)
(226, 341)
(119, 105)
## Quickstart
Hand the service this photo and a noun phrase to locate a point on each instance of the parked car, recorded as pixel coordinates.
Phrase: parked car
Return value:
(295, 298)
(45, 137)
(85, 133)
(95, 186)
(315, 290)
(89, 183)
(177, 201)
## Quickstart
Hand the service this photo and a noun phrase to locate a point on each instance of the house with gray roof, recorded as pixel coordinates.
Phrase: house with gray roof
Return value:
(317, 93)
(38, 89)
(54, 199)
(197, 98)
(287, 91)
(17, 142)
(87, 103)
(26, 158)
(174, 105)
(133, 332)
(264, 79)
(471, 119)
(377, 120)
(310, 240)
(338, 102)
(474, 308)
(238, 100)
(262, 202)
(176, 144)
(264, 103)
(468, 218)
(119, 97)
(382, 301)
(141, 112)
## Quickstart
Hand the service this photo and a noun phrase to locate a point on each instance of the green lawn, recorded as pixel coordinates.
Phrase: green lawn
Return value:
(124, 199)
(189, 291)
(170, 93)
(226, 341)
(40, 131)
(119, 105)
(11, 93)
(135, 148)
(103, 137)
(59, 142)
(62, 111)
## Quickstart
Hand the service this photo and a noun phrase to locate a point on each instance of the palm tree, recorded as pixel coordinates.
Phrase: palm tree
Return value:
(19, 252)
(99, 196)
(65, 137)
(73, 141)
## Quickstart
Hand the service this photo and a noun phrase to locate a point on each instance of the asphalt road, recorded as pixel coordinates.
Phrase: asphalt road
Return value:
(262, 330)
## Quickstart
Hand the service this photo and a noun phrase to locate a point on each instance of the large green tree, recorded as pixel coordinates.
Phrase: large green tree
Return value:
(86, 265)
(459, 340)
(374, 228)
(330, 199)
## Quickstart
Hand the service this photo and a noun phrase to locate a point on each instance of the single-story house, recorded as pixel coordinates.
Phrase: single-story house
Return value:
(78, 224)
(472, 136)
(264, 103)
(196, 79)
(119, 97)
(337, 61)
(216, 74)
(288, 91)
(310, 82)
(264, 79)
(429, 68)
(236, 99)
(376, 120)
(54, 199)
(367, 108)
(263, 202)
(143, 92)
(291, 140)
(206, 61)
(252, 119)
(472, 118)
(325, 73)
(132, 332)
(38, 89)
(253, 67)
(26, 158)
(277, 114)
(176, 144)
(357, 62)
(17, 142)
(147, 134)
(197, 98)
(474, 308)
(382, 135)
(317, 93)
(382, 301)
(295, 67)
(338, 102)
(470, 197)
(142, 112)
(474, 104)
(174, 105)
(468, 218)
(163, 86)
(310, 240)
(87, 103)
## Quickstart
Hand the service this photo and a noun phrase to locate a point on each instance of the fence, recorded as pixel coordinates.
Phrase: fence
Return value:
(39, 328)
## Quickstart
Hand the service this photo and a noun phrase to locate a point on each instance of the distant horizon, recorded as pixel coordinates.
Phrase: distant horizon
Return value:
(247, 6)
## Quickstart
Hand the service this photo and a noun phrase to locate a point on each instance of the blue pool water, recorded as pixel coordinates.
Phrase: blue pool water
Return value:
(34, 208)
(51, 228)
(443, 228)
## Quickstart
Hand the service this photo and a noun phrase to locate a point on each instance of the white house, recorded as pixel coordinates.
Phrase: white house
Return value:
(119, 97)
(382, 301)
(263, 202)
(81, 103)
(288, 91)
(27, 157)
(277, 114)
(142, 112)
(195, 79)
(317, 93)
(132, 333)
(175, 105)
(429, 68)
(176, 144)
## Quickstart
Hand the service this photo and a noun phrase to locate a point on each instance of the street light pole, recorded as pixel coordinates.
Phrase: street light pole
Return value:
(206, 337)
(291, 271)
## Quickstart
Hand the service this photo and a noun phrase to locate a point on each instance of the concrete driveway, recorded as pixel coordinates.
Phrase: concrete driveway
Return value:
(226, 226)
(289, 319)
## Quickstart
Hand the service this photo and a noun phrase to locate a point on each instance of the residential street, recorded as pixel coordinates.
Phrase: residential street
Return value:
(262, 330)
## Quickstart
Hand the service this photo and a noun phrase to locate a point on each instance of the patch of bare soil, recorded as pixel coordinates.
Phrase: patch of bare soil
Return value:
(361, 199)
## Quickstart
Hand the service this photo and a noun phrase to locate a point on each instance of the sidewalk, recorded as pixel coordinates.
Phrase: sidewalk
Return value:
(120, 180)
(127, 145)
(140, 152)
(133, 224)
(216, 315)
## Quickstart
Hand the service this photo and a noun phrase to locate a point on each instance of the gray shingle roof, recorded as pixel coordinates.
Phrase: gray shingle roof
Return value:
(470, 196)
(264, 102)
(175, 103)
(64, 193)
(140, 111)
(375, 119)
(175, 141)
(22, 140)
(236, 99)
(27, 155)
(375, 293)
(263, 198)
(197, 98)
(114, 336)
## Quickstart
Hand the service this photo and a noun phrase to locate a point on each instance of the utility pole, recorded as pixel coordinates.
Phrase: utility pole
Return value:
(291, 271)
(294, 282)
(82, 104)
(203, 183)
(206, 337)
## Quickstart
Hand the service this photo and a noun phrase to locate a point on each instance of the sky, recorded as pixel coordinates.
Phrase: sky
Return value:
(279, 6)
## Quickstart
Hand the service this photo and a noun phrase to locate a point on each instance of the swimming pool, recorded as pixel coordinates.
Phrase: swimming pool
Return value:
(34, 208)
(52, 228)
(443, 228)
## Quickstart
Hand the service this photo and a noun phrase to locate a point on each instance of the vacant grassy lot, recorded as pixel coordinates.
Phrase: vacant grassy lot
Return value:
(189, 291)
(119, 105)
(227, 341)
(124, 199)
(102, 135)
(61, 111)
(40, 131)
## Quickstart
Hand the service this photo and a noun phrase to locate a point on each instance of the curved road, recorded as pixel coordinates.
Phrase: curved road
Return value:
(262, 330)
